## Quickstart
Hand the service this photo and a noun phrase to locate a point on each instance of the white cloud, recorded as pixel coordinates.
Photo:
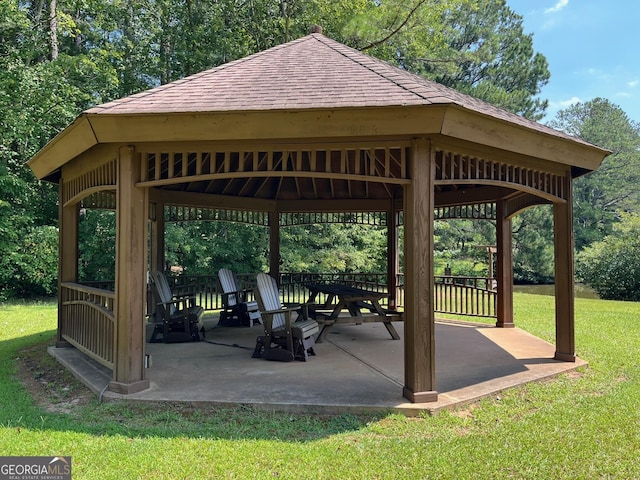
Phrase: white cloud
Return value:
(564, 103)
(633, 83)
(557, 7)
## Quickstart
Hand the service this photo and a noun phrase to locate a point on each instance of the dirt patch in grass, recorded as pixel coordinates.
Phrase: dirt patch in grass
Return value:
(51, 385)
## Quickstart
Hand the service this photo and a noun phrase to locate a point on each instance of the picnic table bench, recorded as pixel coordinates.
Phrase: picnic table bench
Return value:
(352, 299)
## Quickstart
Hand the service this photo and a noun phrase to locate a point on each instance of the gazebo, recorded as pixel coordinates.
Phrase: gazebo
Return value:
(308, 126)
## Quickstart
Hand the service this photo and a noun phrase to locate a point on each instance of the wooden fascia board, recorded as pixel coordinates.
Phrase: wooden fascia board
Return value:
(71, 142)
(268, 125)
(485, 130)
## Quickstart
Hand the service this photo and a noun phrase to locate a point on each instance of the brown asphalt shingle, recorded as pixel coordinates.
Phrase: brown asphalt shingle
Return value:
(313, 72)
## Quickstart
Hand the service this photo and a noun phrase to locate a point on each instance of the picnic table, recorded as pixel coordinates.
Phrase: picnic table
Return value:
(354, 300)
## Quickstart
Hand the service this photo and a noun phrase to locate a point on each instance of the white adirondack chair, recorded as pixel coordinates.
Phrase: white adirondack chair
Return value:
(284, 338)
(179, 319)
(234, 301)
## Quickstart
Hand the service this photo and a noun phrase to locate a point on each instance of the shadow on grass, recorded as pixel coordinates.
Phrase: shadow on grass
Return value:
(57, 401)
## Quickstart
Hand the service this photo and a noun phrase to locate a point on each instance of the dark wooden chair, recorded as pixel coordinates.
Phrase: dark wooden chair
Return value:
(178, 318)
(234, 302)
(284, 339)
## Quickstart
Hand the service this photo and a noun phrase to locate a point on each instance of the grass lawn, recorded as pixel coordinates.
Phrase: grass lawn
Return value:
(582, 425)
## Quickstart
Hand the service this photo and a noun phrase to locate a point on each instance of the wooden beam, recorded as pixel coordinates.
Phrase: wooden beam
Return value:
(205, 200)
(274, 245)
(131, 265)
(471, 195)
(267, 125)
(504, 275)
(419, 322)
(393, 257)
(564, 278)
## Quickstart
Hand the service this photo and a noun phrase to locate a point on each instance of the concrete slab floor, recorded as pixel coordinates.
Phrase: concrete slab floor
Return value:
(358, 369)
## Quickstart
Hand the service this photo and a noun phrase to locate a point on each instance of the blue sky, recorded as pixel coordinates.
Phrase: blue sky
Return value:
(593, 50)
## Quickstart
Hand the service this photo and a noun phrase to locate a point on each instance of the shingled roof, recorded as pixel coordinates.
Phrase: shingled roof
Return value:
(312, 87)
(313, 72)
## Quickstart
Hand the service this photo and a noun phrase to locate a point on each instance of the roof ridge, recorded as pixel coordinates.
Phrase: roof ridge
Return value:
(337, 47)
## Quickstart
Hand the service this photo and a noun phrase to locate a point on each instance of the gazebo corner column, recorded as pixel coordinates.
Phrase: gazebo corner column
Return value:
(564, 276)
(67, 256)
(504, 274)
(274, 245)
(130, 292)
(419, 321)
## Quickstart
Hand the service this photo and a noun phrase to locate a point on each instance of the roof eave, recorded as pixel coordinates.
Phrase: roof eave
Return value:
(71, 142)
(473, 126)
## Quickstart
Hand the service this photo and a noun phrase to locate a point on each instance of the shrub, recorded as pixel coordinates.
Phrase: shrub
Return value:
(612, 267)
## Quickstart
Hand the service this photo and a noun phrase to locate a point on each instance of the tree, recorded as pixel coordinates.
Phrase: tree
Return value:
(477, 47)
(612, 266)
(533, 260)
(599, 197)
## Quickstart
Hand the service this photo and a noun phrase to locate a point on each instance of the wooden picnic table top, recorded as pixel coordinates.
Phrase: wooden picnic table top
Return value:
(344, 291)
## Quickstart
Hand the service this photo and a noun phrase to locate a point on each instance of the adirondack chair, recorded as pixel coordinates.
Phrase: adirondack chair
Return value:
(179, 319)
(284, 339)
(234, 302)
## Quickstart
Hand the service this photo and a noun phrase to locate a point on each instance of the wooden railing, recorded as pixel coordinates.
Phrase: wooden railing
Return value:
(469, 296)
(87, 321)
(206, 287)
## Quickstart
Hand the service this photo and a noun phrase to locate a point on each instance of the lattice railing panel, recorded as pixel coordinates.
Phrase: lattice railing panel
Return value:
(88, 321)
(481, 211)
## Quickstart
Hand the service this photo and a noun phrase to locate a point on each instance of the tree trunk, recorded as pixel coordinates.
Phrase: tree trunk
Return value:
(53, 28)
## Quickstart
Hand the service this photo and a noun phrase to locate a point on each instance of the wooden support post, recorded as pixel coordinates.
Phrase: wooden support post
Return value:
(157, 238)
(131, 262)
(419, 326)
(156, 257)
(67, 255)
(392, 256)
(504, 277)
(274, 245)
(564, 279)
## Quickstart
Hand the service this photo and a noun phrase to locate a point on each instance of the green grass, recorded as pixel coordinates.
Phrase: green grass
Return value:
(581, 425)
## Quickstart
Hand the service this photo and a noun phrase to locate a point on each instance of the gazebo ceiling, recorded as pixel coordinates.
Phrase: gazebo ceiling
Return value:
(311, 91)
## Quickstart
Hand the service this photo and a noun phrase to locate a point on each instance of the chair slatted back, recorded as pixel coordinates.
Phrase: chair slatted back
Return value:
(228, 283)
(270, 298)
(162, 290)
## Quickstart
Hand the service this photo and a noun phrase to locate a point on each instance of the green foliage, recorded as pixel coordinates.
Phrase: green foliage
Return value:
(112, 48)
(612, 266)
(477, 47)
(334, 248)
(96, 245)
(459, 244)
(533, 246)
(599, 197)
(202, 248)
